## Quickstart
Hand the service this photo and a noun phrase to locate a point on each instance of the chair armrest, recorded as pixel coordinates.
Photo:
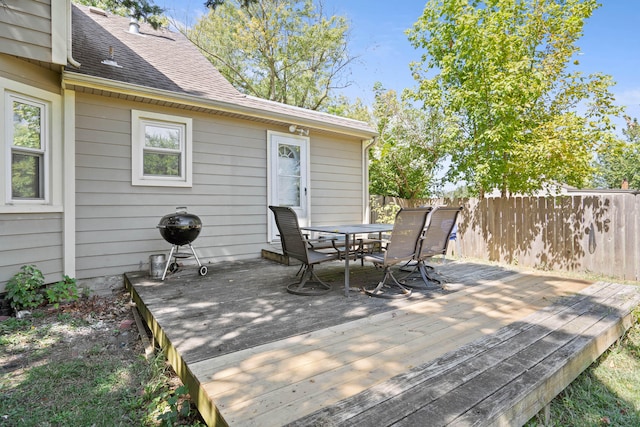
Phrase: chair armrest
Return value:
(324, 243)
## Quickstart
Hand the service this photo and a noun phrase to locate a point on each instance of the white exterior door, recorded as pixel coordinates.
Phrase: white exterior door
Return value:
(288, 176)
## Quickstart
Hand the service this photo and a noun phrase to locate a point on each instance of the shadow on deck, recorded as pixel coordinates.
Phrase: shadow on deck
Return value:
(252, 354)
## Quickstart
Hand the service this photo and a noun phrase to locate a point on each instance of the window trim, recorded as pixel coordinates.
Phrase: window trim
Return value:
(53, 162)
(42, 152)
(138, 121)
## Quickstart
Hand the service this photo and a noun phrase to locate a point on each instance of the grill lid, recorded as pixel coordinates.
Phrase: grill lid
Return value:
(180, 228)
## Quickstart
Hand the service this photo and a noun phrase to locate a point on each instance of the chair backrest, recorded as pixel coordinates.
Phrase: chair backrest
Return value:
(407, 229)
(293, 242)
(439, 227)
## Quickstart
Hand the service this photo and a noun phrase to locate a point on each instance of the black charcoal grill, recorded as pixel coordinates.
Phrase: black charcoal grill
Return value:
(180, 229)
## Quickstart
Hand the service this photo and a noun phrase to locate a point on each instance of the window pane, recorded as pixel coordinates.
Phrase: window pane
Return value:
(161, 137)
(162, 164)
(289, 175)
(289, 191)
(26, 125)
(26, 179)
(289, 160)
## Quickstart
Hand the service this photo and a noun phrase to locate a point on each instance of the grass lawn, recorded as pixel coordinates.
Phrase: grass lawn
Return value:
(83, 364)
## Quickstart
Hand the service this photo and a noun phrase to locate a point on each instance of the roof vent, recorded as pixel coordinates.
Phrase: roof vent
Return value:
(134, 26)
(111, 59)
(97, 11)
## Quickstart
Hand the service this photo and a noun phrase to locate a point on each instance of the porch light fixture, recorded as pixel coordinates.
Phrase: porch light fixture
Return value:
(299, 131)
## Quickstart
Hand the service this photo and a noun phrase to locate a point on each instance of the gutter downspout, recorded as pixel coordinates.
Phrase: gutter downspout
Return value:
(365, 180)
(70, 59)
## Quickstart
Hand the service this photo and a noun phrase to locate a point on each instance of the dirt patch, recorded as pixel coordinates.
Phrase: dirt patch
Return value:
(92, 326)
(83, 363)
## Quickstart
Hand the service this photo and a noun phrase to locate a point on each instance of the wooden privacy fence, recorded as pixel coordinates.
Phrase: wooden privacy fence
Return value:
(597, 233)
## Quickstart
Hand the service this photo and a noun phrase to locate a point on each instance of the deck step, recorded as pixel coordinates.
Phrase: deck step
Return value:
(501, 379)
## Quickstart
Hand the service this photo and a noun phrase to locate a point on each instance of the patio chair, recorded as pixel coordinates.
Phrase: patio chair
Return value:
(402, 246)
(434, 242)
(295, 245)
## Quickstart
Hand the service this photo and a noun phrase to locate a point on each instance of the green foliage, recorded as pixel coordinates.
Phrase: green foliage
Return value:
(212, 4)
(139, 9)
(24, 288)
(174, 405)
(63, 291)
(344, 107)
(503, 75)
(405, 158)
(385, 214)
(165, 405)
(281, 50)
(620, 160)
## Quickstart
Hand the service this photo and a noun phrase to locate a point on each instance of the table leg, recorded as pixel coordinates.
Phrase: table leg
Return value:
(346, 265)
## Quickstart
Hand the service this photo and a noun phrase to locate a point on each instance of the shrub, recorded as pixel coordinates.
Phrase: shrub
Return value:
(62, 291)
(24, 288)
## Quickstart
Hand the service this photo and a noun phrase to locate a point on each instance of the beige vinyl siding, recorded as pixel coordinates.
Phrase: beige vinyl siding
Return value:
(116, 222)
(336, 180)
(27, 73)
(25, 29)
(31, 239)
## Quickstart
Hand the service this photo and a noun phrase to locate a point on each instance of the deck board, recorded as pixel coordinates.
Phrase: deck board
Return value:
(476, 384)
(263, 357)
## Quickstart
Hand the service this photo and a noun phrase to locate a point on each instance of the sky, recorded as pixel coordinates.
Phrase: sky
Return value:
(610, 44)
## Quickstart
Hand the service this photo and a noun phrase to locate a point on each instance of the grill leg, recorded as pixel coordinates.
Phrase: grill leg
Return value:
(166, 267)
(193, 251)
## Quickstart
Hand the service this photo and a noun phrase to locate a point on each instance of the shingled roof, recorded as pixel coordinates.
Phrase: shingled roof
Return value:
(166, 63)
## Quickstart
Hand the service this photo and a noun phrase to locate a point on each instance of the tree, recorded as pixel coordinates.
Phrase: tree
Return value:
(519, 116)
(620, 160)
(354, 109)
(282, 50)
(213, 4)
(139, 9)
(404, 161)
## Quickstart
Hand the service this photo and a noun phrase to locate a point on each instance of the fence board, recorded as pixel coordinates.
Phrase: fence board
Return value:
(596, 233)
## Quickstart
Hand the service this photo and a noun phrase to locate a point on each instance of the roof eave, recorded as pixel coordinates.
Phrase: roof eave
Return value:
(70, 78)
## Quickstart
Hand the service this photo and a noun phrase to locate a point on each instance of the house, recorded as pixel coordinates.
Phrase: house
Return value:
(109, 125)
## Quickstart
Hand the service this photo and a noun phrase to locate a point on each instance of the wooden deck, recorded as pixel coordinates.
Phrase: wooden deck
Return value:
(254, 355)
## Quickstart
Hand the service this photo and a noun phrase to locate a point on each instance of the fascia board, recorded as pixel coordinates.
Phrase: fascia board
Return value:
(99, 83)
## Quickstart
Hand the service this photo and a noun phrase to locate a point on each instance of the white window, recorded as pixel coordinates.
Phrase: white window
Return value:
(161, 149)
(28, 132)
(31, 149)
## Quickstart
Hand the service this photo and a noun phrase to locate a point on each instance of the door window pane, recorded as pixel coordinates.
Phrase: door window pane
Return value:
(289, 194)
(289, 175)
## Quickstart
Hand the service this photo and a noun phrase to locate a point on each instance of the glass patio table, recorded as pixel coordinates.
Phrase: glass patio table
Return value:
(347, 231)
